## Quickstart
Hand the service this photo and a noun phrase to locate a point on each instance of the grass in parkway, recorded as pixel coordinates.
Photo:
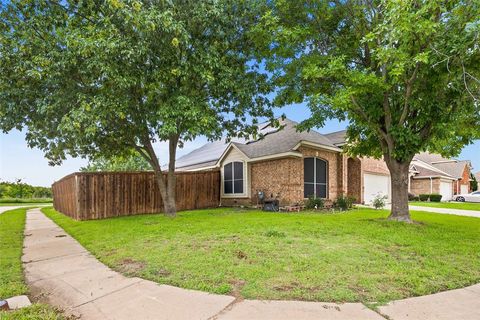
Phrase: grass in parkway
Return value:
(448, 205)
(354, 256)
(11, 273)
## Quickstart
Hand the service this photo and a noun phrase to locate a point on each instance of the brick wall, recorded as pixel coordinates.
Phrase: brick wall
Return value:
(279, 177)
(354, 172)
(284, 178)
(375, 166)
(422, 186)
(464, 181)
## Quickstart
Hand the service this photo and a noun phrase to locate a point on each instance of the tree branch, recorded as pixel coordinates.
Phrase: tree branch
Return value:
(408, 93)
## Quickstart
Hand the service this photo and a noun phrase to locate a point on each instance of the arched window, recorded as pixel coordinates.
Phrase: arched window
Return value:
(233, 178)
(315, 178)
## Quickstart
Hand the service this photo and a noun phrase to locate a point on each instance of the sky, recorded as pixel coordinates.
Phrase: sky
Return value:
(17, 160)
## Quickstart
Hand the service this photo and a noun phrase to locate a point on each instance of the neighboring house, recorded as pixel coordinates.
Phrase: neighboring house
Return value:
(290, 166)
(431, 173)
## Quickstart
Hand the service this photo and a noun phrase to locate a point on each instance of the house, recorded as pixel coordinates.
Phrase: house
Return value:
(432, 173)
(292, 166)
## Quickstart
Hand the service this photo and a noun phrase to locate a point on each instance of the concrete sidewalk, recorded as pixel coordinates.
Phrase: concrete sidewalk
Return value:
(61, 272)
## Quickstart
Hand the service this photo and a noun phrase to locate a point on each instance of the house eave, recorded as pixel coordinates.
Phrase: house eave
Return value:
(288, 154)
(316, 145)
(432, 177)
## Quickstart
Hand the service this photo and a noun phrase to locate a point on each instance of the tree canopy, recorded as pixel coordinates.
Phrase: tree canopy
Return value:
(131, 162)
(100, 79)
(405, 74)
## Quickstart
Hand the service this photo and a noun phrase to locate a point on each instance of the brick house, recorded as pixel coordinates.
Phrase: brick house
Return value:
(290, 166)
(431, 173)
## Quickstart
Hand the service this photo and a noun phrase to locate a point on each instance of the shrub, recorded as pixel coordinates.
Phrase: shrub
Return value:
(411, 197)
(314, 203)
(416, 198)
(275, 233)
(423, 197)
(344, 203)
(435, 197)
(379, 201)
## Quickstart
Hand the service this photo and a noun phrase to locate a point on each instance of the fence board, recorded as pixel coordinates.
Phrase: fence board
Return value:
(98, 195)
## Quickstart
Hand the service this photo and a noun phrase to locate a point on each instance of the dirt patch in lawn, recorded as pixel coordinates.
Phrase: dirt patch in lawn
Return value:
(130, 266)
(237, 286)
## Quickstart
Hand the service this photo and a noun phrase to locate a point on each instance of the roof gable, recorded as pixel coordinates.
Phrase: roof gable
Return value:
(273, 141)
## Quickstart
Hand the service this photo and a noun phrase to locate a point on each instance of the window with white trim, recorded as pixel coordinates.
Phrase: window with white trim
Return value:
(233, 178)
(315, 178)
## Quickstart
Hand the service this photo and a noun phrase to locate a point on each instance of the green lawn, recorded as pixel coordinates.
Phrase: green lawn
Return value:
(11, 274)
(24, 201)
(22, 204)
(448, 205)
(354, 256)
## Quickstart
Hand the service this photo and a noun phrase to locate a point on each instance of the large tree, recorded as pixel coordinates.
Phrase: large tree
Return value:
(103, 78)
(405, 74)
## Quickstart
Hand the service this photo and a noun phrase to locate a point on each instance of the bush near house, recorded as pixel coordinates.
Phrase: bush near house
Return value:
(344, 203)
(423, 197)
(433, 197)
(314, 203)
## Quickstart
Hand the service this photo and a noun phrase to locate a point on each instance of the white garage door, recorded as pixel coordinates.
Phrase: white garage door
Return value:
(463, 189)
(375, 184)
(446, 190)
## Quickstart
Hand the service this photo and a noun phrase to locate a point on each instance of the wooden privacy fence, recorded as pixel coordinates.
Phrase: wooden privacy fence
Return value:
(98, 195)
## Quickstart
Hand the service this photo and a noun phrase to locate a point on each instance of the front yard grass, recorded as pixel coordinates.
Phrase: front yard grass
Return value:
(11, 274)
(448, 205)
(354, 256)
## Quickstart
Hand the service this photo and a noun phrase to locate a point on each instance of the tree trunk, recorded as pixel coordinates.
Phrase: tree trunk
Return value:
(166, 186)
(399, 183)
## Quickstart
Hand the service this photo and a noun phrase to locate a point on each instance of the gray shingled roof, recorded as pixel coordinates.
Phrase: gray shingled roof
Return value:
(283, 140)
(206, 154)
(451, 166)
(275, 141)
(338, 137)
(424, 170)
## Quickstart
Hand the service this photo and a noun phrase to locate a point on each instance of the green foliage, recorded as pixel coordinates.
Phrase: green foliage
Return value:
(434, 197)
(275, 233)
(98, 79)
(423, 197)
(25, 200)
(473, 183)
(314, 203)
(379, 201)
(21, 190)
(133, 162)
(403, 86)
(404, 74)
(344, 203)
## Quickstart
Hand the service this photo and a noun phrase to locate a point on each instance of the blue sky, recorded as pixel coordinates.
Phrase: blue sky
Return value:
(19, 161)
